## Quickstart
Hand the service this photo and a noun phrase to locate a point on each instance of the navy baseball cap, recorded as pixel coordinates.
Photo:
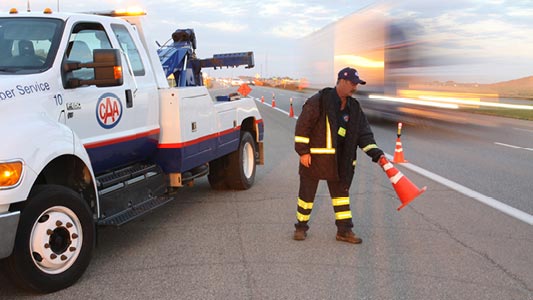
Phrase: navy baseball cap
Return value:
(351, 75)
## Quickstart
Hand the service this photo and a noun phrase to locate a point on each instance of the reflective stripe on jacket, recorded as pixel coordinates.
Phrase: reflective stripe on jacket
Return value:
(328, 146)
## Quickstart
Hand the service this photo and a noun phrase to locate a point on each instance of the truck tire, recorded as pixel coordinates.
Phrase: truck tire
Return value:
(54, 242)
(241, 164)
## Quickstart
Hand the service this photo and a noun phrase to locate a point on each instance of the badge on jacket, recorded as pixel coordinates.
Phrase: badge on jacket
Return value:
(346, 118)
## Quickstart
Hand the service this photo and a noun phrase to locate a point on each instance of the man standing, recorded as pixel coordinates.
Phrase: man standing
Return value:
(328, 132)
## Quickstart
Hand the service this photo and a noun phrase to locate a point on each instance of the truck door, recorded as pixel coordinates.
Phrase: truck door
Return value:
(144, 96)
(101, 116)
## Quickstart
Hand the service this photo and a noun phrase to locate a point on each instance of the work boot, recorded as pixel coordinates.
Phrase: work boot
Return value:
(299, 235)
(348, 237)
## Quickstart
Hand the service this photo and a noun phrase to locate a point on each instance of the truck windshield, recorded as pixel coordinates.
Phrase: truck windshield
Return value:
(28, 45)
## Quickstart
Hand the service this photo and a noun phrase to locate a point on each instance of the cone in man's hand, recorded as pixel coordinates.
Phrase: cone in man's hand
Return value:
(405, 189)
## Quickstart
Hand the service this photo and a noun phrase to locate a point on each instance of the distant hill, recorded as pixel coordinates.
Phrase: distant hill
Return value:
(516, 82)
(521, 88)
(516, 88)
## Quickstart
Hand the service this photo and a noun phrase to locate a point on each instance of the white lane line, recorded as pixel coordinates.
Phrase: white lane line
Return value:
(509, 210)
(513, 146)
(507, 145)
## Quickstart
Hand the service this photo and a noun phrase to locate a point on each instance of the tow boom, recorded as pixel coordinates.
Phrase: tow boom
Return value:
(179, 58)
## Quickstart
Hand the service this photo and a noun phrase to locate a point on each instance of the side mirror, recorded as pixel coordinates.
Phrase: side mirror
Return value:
(107, 69)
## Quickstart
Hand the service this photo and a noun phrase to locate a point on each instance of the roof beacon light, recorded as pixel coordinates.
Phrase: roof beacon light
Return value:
(132, 11)
(47, 11)
(13, 11)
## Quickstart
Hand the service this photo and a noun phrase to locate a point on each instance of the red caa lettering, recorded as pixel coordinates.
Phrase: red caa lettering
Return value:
(108, 110)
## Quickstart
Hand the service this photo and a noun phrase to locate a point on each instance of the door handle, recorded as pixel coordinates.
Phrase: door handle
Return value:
(129, 98)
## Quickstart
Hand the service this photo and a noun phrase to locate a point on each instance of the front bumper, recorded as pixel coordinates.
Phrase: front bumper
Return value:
(8, 230)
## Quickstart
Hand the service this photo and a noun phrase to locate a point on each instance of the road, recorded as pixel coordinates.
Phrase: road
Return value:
(238, 244)
(491, 155)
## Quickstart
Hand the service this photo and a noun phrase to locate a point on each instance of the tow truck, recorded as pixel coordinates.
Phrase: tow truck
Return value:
(94, 135)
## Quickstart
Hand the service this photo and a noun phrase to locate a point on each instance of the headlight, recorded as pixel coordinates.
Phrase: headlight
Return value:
(10, 173)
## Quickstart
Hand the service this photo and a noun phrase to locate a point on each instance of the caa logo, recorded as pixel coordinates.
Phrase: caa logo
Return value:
(108, 110)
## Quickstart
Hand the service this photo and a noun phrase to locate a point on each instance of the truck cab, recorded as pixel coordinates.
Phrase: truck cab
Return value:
(94, 136)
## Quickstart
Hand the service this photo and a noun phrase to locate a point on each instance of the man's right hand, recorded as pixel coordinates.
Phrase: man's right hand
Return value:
(305, 160)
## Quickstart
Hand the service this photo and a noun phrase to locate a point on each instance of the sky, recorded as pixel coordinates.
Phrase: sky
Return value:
(492, 35)
(268, 28)
(489, 40)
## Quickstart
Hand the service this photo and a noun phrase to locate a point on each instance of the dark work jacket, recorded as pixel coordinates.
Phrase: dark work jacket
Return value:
(328, 162)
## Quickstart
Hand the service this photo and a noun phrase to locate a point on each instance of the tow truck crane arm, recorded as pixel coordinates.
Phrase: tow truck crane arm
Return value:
(179, 58)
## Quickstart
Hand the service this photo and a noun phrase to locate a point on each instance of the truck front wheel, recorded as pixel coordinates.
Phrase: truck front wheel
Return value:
(54, 242)
(241, 164)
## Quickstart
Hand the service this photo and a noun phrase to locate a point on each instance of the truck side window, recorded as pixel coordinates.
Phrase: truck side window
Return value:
(128, 46)
(86, 37)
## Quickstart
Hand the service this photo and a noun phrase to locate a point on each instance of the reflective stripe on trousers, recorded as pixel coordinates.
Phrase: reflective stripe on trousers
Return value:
(339, 198)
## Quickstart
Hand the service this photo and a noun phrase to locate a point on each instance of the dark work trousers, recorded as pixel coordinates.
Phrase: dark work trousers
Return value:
(340, 201)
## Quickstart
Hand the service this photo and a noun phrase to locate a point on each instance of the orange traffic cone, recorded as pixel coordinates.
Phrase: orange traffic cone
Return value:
(262, 99)
(405, 189)
(291, 110)
(273, 100)
(398, 151)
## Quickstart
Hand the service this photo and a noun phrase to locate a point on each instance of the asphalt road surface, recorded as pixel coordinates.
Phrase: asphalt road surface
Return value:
(238, 244)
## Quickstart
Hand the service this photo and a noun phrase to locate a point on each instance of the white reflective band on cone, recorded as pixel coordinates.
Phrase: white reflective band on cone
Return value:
(387, 166)
(394, 179)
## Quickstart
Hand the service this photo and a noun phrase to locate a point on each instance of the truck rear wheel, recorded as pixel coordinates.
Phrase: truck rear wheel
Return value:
(241, 164)
(54, 242)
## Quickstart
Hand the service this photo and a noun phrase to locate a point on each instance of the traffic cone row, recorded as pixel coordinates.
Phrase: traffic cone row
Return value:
(291, 109)
(404, 188)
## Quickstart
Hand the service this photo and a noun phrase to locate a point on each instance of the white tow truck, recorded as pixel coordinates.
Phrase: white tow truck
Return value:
(93, 135)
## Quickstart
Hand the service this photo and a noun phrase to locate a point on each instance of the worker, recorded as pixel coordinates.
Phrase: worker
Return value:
(328, 131)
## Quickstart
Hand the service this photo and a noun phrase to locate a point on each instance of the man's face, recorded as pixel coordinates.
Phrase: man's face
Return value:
(348, 88)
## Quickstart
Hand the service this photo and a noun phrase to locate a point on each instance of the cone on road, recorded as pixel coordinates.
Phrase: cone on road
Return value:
(262, 99)
(273, 100)
(405, 189)
(398, 151)
(291, 110)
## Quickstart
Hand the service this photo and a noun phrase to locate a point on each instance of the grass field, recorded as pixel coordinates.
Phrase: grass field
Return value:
(503, 112)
